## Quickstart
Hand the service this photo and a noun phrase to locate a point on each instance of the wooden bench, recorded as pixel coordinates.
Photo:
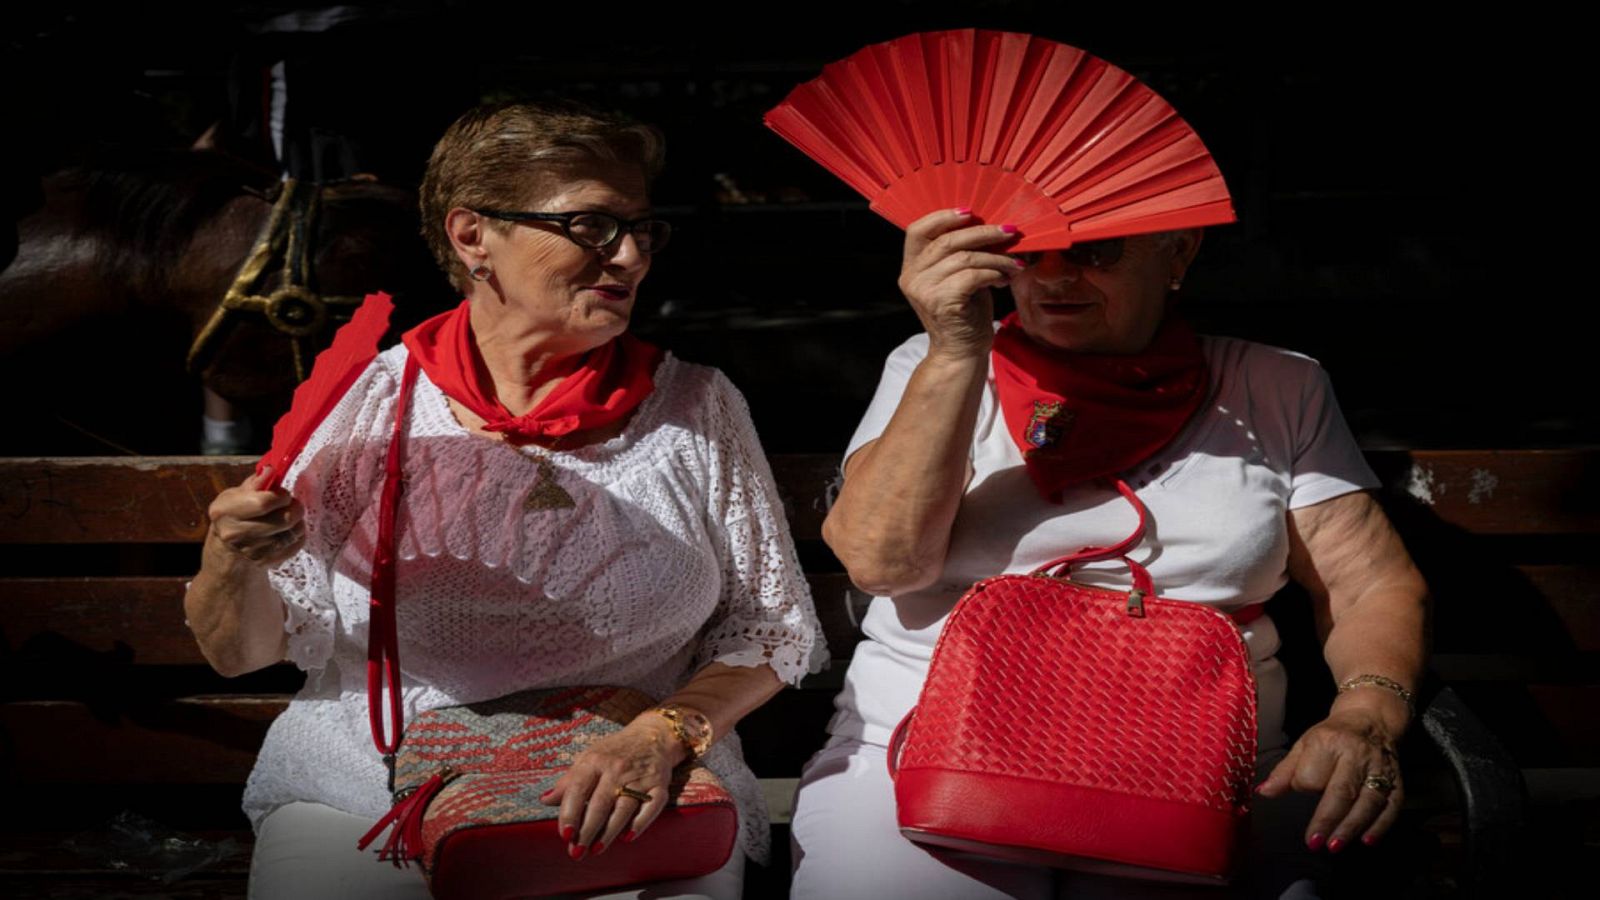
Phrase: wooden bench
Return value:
(109, 709)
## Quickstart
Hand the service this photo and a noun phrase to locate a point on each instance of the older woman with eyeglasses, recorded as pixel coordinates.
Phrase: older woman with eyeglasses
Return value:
(579, 508)
(991, 447)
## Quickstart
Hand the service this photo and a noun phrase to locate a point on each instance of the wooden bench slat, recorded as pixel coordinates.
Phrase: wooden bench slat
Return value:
(805, 483)
(197, 740)
(146, 616)
(137, 500)
(1497, 491)
(162, 499)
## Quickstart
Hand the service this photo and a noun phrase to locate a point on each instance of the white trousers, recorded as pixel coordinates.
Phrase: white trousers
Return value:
(307, 851)
(847, 845)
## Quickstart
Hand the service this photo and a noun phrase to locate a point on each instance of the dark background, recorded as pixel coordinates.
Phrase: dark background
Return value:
(1411, 209)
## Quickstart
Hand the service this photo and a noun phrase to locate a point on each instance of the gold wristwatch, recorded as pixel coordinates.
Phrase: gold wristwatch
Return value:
(692, 728)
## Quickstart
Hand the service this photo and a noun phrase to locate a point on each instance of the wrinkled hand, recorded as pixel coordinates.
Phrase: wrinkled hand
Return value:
(946, 274)
(593, 815)
(1336, 756)
(265, 527)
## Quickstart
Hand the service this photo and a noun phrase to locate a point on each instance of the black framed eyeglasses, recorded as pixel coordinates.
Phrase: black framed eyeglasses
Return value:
(595, 230)
(1091, 254)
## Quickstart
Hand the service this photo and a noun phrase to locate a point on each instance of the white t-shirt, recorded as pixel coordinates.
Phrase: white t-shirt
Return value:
(676, 554)
(1269, 439)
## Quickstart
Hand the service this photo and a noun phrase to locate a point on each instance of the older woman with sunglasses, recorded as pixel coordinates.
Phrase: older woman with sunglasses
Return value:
(960, 471)
(579, 508)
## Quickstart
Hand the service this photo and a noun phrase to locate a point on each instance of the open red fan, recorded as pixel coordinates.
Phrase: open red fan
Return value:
(1064, 145)
(336, 368)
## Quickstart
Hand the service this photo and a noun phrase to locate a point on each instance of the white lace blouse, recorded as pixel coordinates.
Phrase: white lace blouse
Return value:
(676, 554)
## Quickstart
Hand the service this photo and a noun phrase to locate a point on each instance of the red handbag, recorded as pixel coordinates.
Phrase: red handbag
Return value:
(467, 779)
(1083, 728)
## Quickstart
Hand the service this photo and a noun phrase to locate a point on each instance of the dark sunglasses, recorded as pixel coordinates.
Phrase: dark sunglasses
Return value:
(1092, 254)
(595, 230)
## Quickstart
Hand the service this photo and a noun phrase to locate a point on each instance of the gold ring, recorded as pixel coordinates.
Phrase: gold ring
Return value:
(1383, 784)
(640, 796)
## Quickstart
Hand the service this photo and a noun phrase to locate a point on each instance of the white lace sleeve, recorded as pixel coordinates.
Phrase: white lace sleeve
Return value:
(765, 615)
(335, 477)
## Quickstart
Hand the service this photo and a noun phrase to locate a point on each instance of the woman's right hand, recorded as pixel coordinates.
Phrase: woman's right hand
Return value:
(264, 527)
(946, 273)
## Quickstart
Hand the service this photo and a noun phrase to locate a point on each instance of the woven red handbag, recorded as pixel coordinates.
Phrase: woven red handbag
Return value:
(467, 780)
(1083, 728)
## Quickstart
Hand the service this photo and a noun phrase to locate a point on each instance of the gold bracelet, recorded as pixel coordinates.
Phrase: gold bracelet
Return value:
(1379, 681)
(692, 728)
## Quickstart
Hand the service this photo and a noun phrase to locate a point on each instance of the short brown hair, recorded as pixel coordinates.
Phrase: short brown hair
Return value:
(497, 155)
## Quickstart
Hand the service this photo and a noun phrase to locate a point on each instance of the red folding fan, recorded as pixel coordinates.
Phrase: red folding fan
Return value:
(336, 368)
(1026, 131)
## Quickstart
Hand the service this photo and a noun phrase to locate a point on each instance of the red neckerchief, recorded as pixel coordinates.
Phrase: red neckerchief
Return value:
(596, 389)
(1081, 416)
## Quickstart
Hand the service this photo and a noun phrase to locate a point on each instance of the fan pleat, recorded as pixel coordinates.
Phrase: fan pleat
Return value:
(919, 85)
(1150, 152)
(1133, 116)
(893, 133)
(1022, 130)
(1052, 102)
(1140, 183)
(960, 64)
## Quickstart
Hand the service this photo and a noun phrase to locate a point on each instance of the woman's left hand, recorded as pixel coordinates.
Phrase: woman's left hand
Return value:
(594, 812)
(1349, 757)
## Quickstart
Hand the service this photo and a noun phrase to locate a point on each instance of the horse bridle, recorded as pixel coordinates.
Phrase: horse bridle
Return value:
(294, 309)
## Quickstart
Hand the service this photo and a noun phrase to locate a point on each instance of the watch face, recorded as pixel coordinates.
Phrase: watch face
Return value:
(694, 729)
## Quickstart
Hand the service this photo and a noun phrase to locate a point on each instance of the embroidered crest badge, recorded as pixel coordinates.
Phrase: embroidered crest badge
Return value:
(1050, 421)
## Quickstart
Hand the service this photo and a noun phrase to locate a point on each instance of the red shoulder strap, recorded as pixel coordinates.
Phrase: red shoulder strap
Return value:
(383, 641)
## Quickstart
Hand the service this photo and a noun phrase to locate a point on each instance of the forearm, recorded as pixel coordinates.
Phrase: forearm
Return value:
(235, 615)
(725, 694)
(1383, 632)
(890, 524)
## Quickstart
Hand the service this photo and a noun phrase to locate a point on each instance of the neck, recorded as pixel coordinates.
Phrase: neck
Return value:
(524, 361)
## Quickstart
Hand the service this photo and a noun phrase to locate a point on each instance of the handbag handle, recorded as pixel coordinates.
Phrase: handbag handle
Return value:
(383, 639)
(1143, 586)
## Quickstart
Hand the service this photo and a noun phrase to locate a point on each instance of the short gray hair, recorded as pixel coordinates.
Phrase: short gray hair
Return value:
(497, 155)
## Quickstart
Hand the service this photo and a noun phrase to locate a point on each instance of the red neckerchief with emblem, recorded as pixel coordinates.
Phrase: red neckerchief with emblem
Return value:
(1081, 416)
(596, 389)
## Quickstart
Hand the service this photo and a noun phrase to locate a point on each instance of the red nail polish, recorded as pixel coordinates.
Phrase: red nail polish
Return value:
(1335, 845)
(1369, 840)
(575, 851)
(1009, 229)
(1316, 842)
(598, 846)
(628, 838)
(1021, 264)
(963, 210)
(567, 831)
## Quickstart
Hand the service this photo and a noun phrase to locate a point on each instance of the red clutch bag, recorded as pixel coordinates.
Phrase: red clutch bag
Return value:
(1083, 728)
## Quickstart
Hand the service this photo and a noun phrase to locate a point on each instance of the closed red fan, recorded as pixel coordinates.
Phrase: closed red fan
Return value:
(1026, 131)
(354, 347)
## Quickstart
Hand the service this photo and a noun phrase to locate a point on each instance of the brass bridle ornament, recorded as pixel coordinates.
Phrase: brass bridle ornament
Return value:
(294, 308)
